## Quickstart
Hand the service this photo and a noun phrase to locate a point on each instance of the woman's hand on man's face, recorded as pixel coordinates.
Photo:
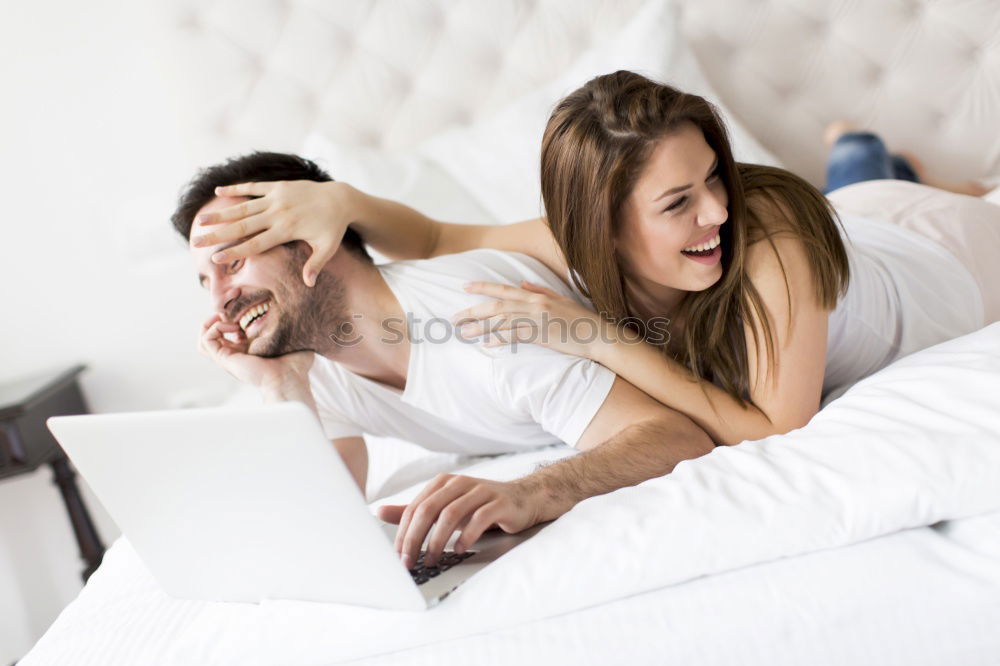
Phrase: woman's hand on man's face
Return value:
(282, 212)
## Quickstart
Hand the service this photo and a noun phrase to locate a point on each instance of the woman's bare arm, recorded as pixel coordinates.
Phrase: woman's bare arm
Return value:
(400, 232)
(531, 237)
(320, 213)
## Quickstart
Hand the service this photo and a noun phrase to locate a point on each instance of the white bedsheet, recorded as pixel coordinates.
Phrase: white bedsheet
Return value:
(922, 597)
(913, 445)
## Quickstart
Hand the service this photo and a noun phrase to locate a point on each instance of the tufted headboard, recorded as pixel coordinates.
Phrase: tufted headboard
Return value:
(924, 73)
(388, 73)
(377, 73)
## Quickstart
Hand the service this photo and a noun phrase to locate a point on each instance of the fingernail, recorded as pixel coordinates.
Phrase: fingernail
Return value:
(219, 257)
(467, 286)
(407, 560)
(459, 548)
(310, 279)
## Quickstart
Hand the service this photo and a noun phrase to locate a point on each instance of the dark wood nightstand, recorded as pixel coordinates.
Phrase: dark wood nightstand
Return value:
(26, 444)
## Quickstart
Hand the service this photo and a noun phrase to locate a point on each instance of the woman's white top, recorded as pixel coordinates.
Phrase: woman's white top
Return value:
(906, 293)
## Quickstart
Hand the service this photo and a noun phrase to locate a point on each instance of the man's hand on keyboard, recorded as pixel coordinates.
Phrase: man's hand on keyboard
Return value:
(452, 502)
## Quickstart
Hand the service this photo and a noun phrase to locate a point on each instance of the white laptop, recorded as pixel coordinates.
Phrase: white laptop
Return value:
(248, 504)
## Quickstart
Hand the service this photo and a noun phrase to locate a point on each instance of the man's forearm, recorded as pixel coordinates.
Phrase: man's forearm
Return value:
(637, 453)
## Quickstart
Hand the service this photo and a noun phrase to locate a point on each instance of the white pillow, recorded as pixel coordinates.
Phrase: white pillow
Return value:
(497, 159)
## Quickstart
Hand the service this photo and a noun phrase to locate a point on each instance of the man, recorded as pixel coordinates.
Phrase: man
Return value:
(369, 349)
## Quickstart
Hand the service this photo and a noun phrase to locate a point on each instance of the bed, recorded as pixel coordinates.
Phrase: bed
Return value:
(872, 535)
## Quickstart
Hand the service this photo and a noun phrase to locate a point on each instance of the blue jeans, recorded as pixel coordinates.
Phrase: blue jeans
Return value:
(859, 156)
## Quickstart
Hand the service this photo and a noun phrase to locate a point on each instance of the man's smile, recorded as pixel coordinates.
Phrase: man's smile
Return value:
(253, 315)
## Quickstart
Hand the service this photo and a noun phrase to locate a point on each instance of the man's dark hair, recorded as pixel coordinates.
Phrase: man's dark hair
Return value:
(252, 168)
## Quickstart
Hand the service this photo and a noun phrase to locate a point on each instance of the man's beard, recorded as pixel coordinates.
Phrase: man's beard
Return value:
(304, 320)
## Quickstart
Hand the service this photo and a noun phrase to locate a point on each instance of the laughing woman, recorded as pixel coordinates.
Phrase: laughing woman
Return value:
(726, 291)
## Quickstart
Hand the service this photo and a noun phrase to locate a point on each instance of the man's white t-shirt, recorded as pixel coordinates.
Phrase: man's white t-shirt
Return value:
(460, 396)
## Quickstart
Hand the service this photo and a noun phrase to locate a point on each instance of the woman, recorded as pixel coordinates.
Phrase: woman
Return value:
(651, 219)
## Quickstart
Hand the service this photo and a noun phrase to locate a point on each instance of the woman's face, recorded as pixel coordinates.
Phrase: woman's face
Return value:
(677, 205)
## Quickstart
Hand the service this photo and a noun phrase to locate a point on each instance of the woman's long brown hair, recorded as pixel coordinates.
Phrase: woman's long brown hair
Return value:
(595, 146)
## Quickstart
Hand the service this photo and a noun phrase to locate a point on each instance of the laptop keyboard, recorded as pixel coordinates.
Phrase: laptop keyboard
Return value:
(448, 559)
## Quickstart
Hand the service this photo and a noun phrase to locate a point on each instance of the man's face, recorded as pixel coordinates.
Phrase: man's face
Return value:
(262, 294)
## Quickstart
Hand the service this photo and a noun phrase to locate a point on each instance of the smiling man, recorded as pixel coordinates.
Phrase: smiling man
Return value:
(369, 350)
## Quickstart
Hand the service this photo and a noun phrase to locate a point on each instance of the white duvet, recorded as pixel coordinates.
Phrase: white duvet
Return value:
(915, 444)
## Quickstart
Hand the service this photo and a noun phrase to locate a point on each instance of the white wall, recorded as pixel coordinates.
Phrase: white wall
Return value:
(89, 269)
